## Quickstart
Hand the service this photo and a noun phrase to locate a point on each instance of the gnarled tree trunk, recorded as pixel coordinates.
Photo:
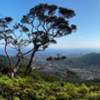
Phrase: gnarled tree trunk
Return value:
(28, 67)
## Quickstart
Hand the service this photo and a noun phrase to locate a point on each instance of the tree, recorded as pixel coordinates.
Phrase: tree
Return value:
(5, 34)
(43, 24)
(10, 37)
(18, 42)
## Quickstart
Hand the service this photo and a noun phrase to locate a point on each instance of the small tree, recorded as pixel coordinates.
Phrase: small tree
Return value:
(12, 37)
(43, 24)
(5, 35)
(18, 42)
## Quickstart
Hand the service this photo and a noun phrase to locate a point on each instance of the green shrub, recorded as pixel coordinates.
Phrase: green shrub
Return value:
(63, 96)
(93, 96)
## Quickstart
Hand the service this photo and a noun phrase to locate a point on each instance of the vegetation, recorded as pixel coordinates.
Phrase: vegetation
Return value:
(47, 23)
(38, 28)
(37, 87)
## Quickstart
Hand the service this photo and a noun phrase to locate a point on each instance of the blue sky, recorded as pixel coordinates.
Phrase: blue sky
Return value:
(87, 19)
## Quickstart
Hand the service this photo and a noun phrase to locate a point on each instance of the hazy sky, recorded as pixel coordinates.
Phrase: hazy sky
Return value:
(87, 19)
